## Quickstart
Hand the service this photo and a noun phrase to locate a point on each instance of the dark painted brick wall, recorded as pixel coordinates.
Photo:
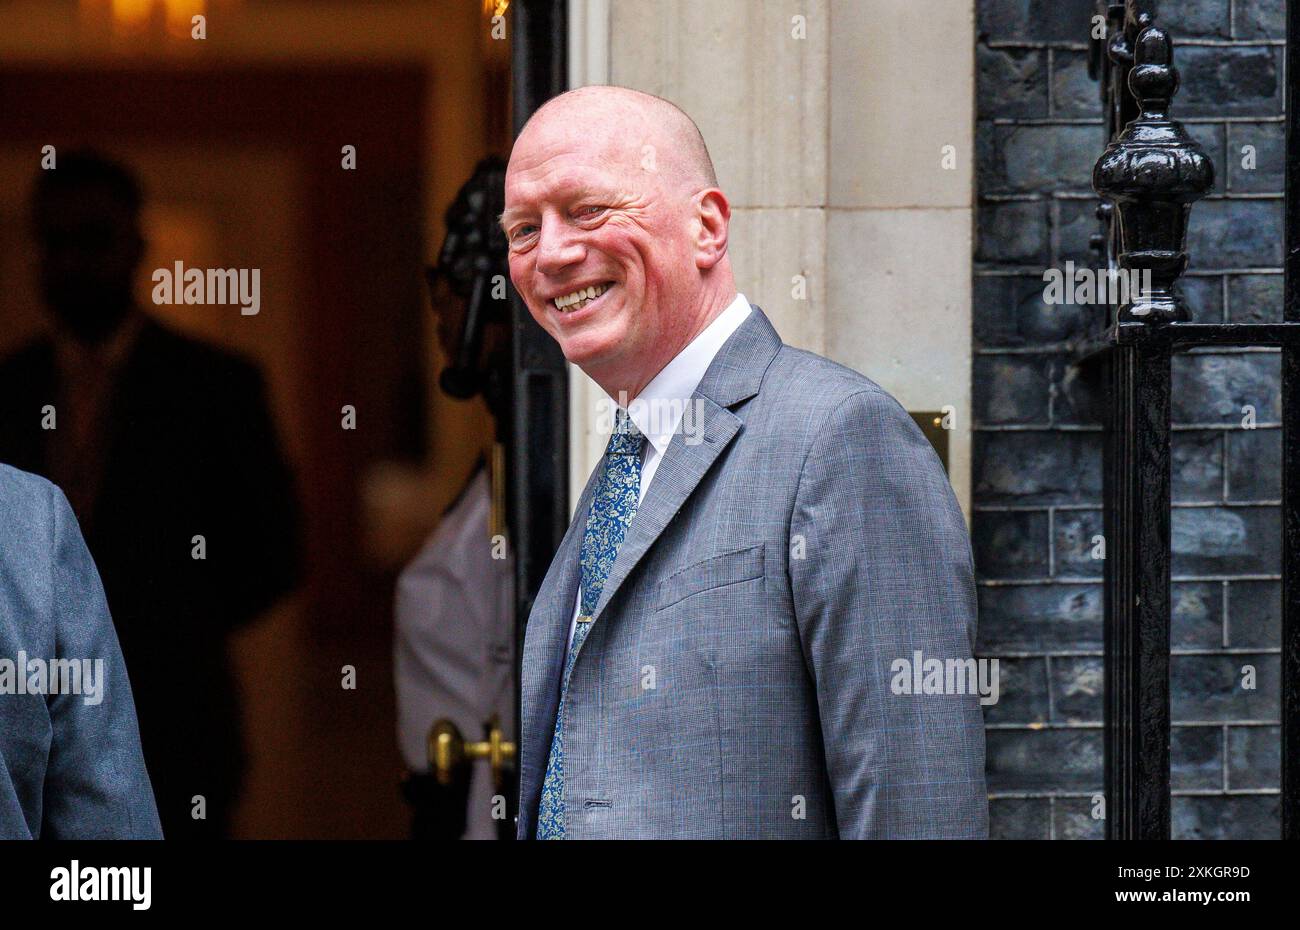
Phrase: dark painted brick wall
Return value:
(1037, 468)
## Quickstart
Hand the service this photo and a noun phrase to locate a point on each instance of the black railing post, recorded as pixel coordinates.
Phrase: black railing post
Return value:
(1138, 594)
(1150, 174)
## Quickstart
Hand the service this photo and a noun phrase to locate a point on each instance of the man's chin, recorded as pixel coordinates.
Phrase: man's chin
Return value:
(590, 352)
(579, 352)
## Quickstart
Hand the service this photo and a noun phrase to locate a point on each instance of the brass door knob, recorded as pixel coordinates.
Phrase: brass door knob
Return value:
(448, 751)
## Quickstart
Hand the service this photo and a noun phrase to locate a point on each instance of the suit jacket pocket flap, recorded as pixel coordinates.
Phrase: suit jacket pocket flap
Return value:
(714, 572)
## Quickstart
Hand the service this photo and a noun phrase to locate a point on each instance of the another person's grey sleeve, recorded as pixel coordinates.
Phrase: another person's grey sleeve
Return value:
(96, 785)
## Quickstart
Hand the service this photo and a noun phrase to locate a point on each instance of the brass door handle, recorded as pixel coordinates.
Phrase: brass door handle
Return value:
(448, 751)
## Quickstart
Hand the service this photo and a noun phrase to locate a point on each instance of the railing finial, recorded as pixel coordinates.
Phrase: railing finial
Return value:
(1154, 79)
(1153, 172)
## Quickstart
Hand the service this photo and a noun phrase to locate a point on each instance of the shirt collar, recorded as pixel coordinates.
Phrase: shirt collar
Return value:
(658, 410)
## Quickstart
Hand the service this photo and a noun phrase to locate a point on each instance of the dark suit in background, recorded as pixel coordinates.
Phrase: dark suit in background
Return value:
(189, 450)
(158, 439)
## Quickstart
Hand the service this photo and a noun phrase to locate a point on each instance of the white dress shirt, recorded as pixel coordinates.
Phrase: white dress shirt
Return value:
(659, 410)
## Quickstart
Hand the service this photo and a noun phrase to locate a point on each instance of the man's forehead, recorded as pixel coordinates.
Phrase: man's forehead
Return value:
(567, 181)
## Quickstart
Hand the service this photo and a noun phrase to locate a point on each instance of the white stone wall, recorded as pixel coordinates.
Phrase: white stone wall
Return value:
(827, 122)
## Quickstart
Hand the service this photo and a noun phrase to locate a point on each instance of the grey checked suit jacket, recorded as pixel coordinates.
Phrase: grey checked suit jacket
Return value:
(729, 688)
(69, 769)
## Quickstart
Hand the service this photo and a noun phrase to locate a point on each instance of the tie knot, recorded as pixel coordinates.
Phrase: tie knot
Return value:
(626, 438)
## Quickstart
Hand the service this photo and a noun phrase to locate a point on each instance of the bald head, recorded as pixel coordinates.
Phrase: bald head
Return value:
(617, 231)
(661, 134)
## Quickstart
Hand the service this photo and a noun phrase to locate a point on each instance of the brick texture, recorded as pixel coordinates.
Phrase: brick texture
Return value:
(1037, 452)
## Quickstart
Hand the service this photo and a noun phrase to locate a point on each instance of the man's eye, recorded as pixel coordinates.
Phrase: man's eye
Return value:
(521, 231)
(590, 210)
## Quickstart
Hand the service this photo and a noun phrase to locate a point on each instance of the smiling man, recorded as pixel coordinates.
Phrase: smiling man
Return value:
(710, 654)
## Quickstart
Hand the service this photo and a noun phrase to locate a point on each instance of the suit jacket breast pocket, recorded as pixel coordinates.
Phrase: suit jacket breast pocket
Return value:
(728, 568)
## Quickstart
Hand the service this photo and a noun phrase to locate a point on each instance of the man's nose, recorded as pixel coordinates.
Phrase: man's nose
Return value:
(557, 247)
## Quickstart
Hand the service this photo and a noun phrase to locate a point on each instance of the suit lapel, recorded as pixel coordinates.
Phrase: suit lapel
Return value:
(734, 375)
(545, 638)
(680, 472)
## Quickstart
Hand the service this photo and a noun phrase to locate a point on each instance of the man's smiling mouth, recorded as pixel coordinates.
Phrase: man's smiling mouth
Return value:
(580, 298)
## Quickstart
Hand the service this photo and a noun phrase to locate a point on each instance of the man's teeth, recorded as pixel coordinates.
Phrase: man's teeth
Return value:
(580, 298)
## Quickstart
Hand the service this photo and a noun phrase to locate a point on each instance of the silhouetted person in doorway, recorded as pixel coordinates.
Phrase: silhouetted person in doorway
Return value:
(157, 440)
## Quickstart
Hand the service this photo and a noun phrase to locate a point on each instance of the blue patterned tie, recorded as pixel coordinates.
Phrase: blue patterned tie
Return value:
(612, 508)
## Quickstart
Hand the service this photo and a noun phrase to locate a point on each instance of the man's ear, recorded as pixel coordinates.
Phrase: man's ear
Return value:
(714, 218)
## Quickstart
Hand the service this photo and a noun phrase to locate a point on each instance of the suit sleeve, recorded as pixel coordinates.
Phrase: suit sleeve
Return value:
(888, 574)
(96, 785)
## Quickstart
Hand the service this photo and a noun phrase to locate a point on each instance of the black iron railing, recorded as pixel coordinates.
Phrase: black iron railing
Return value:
(1149, 176)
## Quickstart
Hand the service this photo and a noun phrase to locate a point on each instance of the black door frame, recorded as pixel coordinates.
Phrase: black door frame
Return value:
(538, 464)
